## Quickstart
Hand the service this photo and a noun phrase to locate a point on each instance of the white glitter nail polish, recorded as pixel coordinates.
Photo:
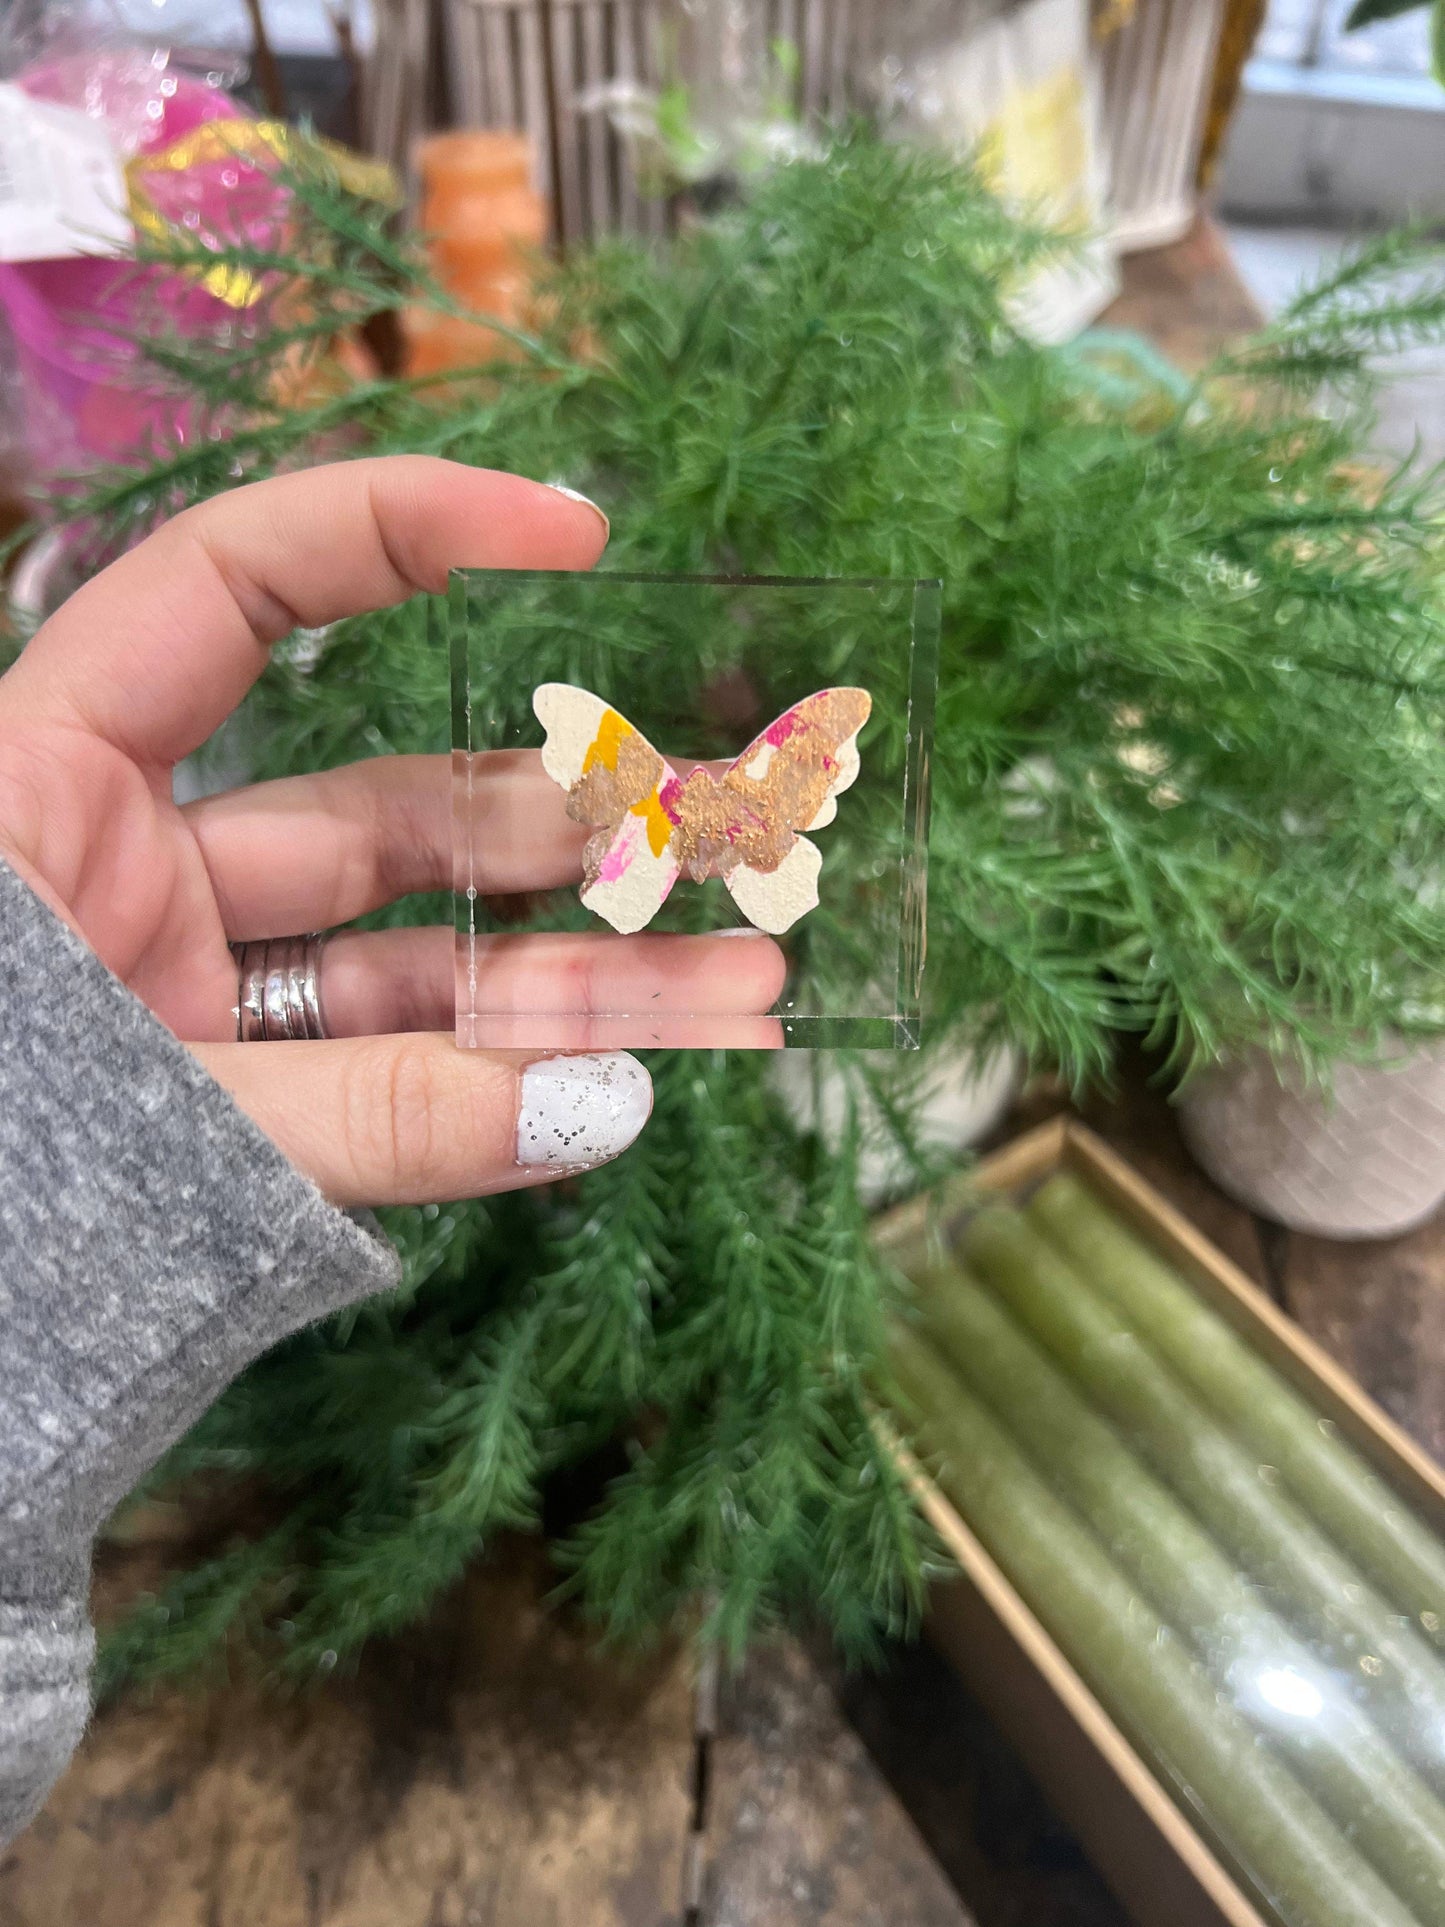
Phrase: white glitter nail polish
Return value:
(580, 1111)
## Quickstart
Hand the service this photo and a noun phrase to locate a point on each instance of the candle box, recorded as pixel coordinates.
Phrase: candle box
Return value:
(1158, 1860)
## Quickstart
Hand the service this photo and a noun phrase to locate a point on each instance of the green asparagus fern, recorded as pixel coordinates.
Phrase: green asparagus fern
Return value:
(1188, 781)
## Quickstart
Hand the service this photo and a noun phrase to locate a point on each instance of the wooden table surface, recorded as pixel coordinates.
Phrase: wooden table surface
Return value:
(493, 1770)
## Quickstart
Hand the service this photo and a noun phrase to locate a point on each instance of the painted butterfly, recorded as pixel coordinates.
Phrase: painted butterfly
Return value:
(654, 826)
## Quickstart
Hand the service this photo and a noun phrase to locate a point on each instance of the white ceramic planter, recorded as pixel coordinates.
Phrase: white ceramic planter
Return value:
(1156, 71)
(958, 1099)
(1365, 1160)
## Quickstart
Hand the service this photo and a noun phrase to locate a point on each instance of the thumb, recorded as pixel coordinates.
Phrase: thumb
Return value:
(414, 1120)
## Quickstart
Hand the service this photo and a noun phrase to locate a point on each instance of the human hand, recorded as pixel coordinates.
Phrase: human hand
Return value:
(143, 664)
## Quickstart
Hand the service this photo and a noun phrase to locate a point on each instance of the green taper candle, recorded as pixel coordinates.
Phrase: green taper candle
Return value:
(1367, 1518)
(1140, 1669)
(1398, 1673)
(1274, 1680)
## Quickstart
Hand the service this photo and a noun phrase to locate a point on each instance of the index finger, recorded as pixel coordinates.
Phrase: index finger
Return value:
(157, 650)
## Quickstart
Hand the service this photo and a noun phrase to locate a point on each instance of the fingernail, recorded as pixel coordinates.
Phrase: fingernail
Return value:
(738, 930)
(576, 495)
(580, 1111)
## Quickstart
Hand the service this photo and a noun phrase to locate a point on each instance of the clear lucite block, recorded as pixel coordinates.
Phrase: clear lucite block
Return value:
(721, 752)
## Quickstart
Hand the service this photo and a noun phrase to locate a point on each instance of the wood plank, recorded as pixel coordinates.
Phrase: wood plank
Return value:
(489, 1770)
(1379, 1308)
(976, 1806)
(802, 1827)
(1188, 298)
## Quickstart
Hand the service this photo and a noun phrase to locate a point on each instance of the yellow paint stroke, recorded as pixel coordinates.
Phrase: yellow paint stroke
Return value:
(659, 823)
(253, 141)
(607, 742)
(604, 749)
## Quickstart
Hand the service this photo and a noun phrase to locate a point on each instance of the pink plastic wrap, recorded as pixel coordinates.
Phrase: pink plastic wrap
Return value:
(86, 393)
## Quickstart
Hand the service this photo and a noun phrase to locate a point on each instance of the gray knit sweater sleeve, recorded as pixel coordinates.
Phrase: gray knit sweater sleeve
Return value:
(152, 1242)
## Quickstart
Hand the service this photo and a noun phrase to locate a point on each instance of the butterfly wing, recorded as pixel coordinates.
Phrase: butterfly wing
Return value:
(773, 900)
(788, 780)
(616, 780)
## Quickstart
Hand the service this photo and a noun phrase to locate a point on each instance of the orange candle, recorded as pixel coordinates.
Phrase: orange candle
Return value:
(437, 342)
(483, 220)
(483, 234)
(475, 160)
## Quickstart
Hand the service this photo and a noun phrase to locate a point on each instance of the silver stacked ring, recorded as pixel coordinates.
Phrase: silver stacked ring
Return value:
(278, 997)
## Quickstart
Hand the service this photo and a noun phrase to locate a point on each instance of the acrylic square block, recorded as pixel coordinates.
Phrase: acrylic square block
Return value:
(689, 811)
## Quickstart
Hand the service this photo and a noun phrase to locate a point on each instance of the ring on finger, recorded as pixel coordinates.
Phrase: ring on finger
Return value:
(278, 995)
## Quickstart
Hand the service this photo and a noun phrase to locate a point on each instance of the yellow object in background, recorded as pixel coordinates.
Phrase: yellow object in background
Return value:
(1111, 15)
(1021, 92)
(251, 141)
(1037, 148)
